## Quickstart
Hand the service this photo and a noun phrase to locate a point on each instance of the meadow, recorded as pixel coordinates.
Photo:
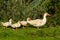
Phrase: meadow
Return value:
(30, 33)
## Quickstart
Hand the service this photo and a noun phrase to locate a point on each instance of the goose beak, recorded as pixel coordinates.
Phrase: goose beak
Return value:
(48, 15)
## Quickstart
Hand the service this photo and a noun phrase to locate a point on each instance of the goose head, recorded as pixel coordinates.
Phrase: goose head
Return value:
(46, 14)
(28, 19)
(10, 20)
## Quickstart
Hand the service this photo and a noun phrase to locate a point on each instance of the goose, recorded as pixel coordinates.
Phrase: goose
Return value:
(24, 23)
(16, 25)
(38, 22)
(7, 24)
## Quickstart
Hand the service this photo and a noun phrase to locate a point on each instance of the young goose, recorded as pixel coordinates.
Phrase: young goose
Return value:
(7, 24)
(16, 25)
(38, 22)
(24, 23)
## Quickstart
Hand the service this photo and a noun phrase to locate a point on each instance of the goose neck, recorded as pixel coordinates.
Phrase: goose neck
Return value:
(44, 17)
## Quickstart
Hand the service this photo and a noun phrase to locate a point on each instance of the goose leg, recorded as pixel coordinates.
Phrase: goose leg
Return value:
(13, 29)
(16, 28)
(37, 27)
(4, 27)
(23, 26)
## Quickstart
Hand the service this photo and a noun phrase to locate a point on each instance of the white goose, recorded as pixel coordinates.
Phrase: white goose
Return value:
(6, 24)
(24, 23)
(16, 25)
(38, 22)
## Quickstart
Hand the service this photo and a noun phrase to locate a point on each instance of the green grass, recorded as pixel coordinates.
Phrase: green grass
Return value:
(29, 33)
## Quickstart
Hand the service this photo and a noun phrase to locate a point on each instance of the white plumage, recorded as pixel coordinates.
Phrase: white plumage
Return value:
(6, 24)
(24, 23)
(16, 25)
(38, 22)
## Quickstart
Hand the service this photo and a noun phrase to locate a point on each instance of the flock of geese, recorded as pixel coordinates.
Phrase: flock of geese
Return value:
(37, 22)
